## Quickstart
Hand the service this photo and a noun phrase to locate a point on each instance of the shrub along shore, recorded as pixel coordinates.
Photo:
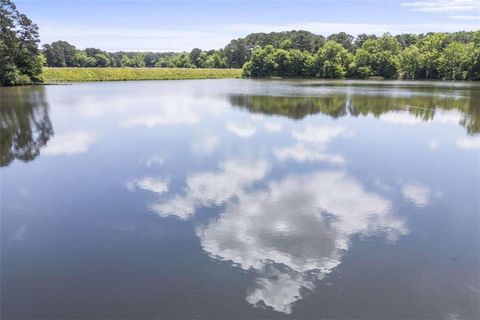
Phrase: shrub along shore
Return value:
(125, 74)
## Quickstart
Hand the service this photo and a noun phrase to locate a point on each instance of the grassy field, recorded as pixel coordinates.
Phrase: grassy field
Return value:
(123, 74)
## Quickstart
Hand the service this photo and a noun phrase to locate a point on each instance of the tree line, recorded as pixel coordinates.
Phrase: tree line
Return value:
(446, 56)
(63, 54)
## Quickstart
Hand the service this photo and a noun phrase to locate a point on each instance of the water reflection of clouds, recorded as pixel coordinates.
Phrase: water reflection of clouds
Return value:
(206, 145)
(153, 160)
(213, 188)
(244, 130)
(163, 116)
(271, 126)
(152, 109)
(312, 144)
(417, 194)
(155, 185)
(69, 143)
(407, 118)
(295, 228)
(468, 143)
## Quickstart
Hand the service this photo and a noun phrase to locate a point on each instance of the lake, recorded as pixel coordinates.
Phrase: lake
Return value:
(241, 199)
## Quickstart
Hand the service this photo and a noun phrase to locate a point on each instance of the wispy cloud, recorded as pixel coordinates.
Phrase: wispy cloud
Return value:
(461, 9)
(242, 130)
(417, 194)
(465, 17)
(468, 143)
(444, 5)
(327, 28)
(139, 39)
(69, 143)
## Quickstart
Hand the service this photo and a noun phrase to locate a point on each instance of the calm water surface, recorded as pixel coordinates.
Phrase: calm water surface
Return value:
(241, 199)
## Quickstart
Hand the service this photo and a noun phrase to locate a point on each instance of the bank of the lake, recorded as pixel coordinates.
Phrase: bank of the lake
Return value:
(124, 74)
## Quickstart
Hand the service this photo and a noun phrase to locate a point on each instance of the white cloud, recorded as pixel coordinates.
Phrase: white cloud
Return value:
(447, 6)
(295, 231)
(301, 153)
(467, 7)
(464, 17)
(180, 207)
(273, 126)
(433, 145)
(327, 28)
(417, 194)
(206, 145)
(140, 39)
(69, 143)
(241, 130)
(136, 39)
(468, 143)
(403, 118)
(319, 134)
(151, 184)
(407, 118)
(213, 188)
(278, 289)
(154, 160)
(312, 143)
(163, 116)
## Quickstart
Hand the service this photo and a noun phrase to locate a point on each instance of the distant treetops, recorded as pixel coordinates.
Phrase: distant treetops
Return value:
(446, 56)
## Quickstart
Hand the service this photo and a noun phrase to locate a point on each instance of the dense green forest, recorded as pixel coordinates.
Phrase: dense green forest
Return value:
(447, 56)
(301, 54)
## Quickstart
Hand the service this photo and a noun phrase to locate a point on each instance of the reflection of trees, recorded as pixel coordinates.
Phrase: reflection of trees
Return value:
(25, 125)
(422, 106)
(292, 107)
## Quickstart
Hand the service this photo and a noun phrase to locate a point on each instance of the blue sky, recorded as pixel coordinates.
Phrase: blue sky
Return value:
(169, 25)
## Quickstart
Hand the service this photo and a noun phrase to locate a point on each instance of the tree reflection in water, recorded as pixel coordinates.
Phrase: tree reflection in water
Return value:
(25, 125)
(423, 107)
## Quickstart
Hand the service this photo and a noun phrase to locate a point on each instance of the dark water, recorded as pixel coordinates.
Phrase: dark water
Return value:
(241, 199)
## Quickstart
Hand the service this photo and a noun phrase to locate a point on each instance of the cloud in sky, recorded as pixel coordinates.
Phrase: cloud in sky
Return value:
(211, 24)
(117, 39)
(444, 5)
(455, 9)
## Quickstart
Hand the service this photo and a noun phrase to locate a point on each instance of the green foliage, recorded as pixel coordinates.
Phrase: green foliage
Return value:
(361, 104)
(453, 60)
(26, 126)
(345, 39)
(20, 60)
(239, 51)
(447, 56)
(410, 63)
(333, 60)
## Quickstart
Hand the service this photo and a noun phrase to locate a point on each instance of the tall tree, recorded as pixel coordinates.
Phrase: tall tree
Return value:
(20, 60)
